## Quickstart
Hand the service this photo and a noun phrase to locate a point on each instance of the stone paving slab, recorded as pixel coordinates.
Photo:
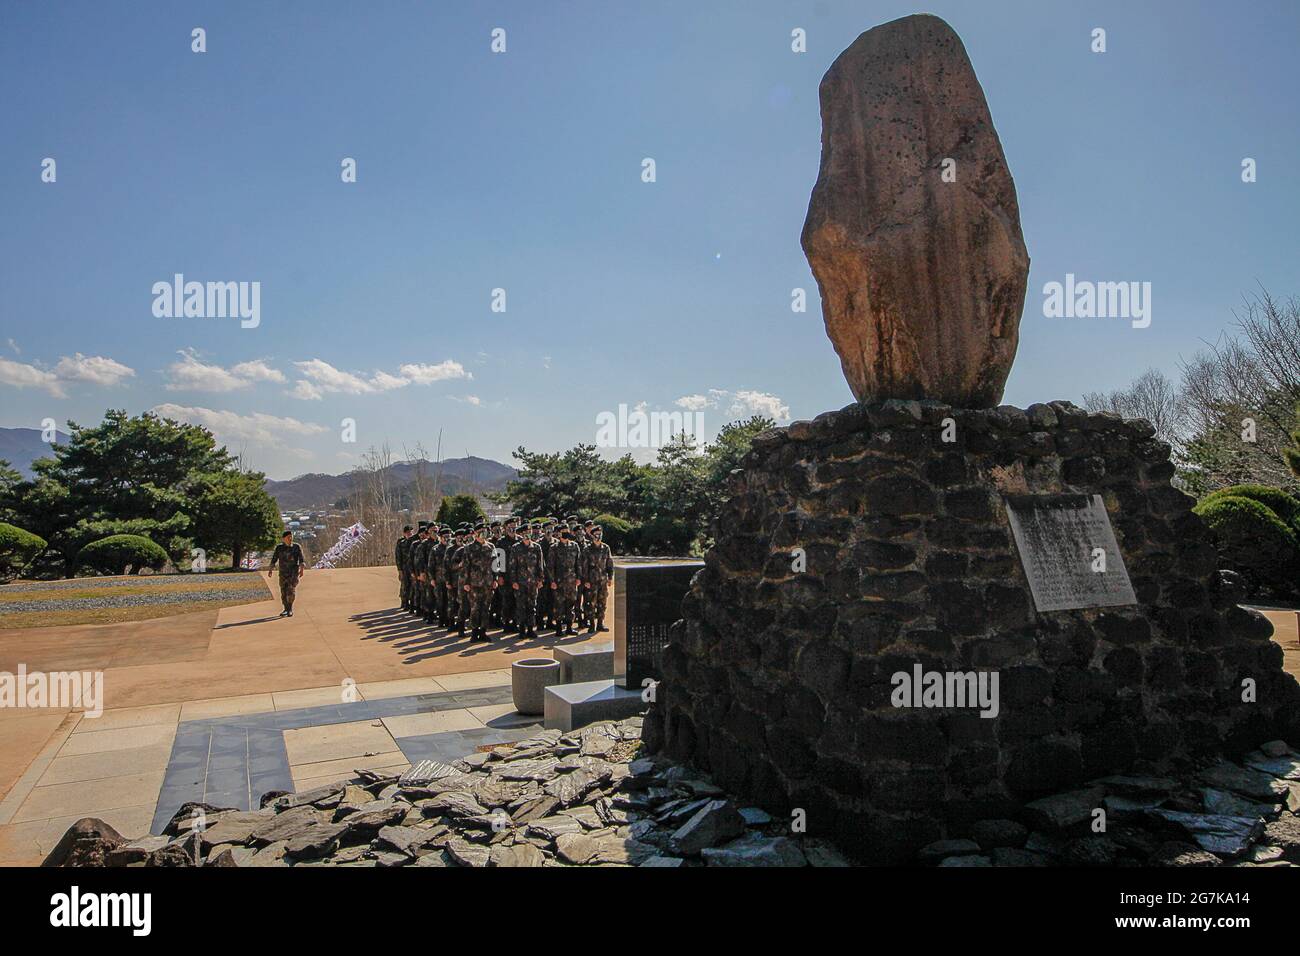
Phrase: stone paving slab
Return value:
(233, 760)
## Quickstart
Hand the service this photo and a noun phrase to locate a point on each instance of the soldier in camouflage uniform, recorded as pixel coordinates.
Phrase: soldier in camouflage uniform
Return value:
(433, 568)
(545, 599)
(293, 564)
(562, 569)
(479, 582)
(453, 567)
(440, 596)
(597, 572)
(505, 599)
(419, 561)
(525, 581)
(412, 571)
(492, 535)
(580, 537)
(412, 581)
(400, 553)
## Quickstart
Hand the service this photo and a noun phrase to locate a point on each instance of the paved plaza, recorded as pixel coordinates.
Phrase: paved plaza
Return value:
(226, 705)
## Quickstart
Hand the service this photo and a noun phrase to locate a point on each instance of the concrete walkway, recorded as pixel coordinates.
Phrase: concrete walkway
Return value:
(346, 641)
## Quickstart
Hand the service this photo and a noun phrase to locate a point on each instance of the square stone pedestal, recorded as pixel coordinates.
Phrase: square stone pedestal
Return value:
(585, 662)
(575, 705)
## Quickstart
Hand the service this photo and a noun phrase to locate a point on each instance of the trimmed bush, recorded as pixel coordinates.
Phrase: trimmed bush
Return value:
(17, 549)
(111, 555)
(1276, 500)
(1253, 541)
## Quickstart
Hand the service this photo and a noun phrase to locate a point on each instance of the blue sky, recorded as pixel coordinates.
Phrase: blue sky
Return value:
(522, 171)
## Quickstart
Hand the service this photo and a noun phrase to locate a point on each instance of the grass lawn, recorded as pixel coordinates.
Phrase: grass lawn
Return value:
(106, 600)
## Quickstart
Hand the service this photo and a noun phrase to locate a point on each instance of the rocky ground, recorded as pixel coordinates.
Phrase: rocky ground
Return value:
(1225, 814)
(589, 798)
(579, 799)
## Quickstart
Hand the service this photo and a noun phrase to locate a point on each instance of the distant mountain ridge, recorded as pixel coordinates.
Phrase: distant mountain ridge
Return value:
(22, 446)
(470, 475)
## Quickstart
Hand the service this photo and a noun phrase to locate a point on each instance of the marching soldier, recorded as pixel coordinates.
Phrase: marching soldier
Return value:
(597, 572)
(479, 582)
(562, 570)
(401, 552)
(525, 581)
(293, 564)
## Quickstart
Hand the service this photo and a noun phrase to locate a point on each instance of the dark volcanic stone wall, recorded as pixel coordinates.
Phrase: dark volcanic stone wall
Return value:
(778, 682)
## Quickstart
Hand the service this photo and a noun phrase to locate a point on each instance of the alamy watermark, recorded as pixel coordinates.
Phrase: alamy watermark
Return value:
(60, 689)
(639, 428)
(1084, 299)
(179, 299)
(946, 689)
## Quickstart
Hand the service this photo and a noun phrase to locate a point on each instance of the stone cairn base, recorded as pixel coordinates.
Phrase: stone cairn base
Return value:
(779, 680)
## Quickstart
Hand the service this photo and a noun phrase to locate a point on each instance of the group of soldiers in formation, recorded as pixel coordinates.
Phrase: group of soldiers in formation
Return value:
(511, 573)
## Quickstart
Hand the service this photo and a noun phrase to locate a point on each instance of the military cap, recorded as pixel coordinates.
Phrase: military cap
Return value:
(407, 528)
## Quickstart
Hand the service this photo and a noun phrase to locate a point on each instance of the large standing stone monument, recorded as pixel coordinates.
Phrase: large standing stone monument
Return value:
(913, 230)
(1041, 554)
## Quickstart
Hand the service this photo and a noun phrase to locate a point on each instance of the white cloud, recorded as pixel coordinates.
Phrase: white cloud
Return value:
(92, 369)
(22, 375)
(428, 374)
(467, 399)
(385, 382)
(189, 374)
(233, 427)
(329, 379)
(740, 404)
(257, 371)
(305, 390)
(760, 403)
(96, 369)
(319, 377)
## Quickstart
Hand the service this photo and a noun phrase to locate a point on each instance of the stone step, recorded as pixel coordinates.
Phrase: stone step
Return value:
(585, 662)
(576, 705)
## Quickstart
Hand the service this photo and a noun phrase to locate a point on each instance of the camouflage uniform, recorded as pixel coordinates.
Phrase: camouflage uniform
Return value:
(433, 568)
(453, 563)
(562, 570)
(443, 596)
(597, 570)
(479, 584)
(420, 562)
(505, 596)
(525, 581)
(403, 580)
(292, 564)
(545, 599)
